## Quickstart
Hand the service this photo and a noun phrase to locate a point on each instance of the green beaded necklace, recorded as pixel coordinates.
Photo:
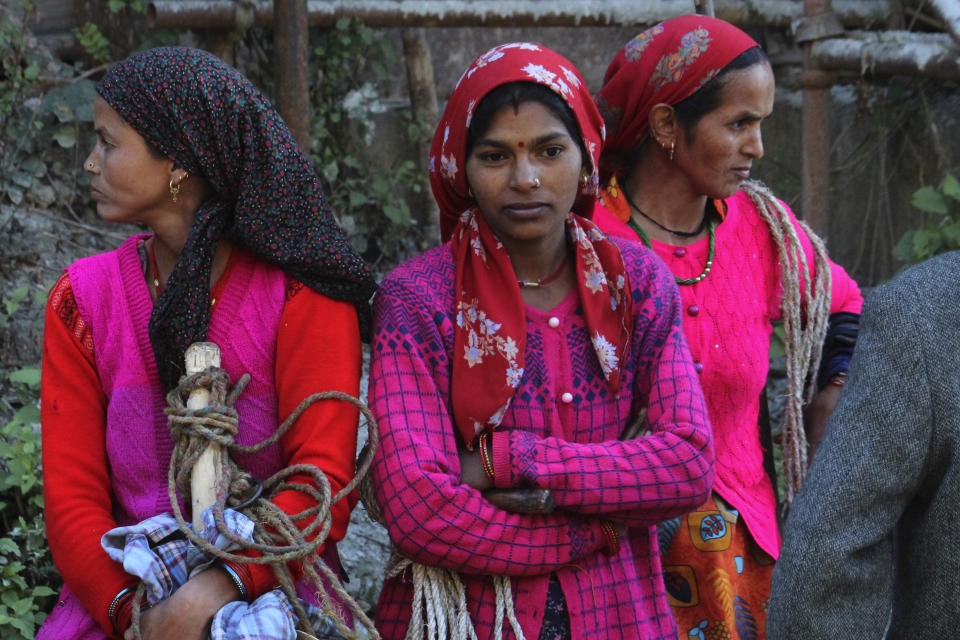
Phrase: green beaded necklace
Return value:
(710, 252)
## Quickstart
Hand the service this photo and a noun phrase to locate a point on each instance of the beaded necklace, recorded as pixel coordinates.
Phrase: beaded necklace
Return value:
(711, 231)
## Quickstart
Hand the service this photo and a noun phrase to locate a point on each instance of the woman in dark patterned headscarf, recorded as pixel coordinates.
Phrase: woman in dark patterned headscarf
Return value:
(245, 252)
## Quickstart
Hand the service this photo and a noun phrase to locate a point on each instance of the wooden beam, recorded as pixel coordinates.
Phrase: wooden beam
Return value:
(889, 53)
(509, 13)
(949, 12)
(292, 47)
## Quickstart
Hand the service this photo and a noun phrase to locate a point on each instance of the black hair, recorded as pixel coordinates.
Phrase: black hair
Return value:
(513, 94)
(706, 98)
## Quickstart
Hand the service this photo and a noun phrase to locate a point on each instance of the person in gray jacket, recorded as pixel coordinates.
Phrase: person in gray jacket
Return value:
(873, 537)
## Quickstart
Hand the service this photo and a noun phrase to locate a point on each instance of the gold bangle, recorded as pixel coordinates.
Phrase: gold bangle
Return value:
(485, 460)
(613, 538)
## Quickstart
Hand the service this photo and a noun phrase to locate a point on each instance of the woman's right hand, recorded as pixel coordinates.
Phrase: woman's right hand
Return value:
(186, 614)
(471, 469)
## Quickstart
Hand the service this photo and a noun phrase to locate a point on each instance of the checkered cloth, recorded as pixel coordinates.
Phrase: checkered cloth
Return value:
(157, 552)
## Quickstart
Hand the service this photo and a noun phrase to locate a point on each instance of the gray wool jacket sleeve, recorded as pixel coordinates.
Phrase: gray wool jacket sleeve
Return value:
(872, 535)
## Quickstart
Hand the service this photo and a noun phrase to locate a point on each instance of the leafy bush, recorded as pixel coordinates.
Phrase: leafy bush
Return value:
(26, 569)
(45, 111)
(939, 234)
(369, 196)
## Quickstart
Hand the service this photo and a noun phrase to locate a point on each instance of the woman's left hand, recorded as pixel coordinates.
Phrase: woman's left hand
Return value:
(471, 469)
(186, 614)
(816, 413)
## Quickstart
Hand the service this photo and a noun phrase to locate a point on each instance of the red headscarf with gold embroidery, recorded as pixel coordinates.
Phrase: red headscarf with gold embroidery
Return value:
(664, 64)
(490, 341)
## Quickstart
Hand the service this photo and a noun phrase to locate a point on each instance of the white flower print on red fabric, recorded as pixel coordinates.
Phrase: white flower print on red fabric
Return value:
(495, 54)
(570, 76)
(470, 108)
(606, 354)
(448, 167)
(483, 340)
(542, 75)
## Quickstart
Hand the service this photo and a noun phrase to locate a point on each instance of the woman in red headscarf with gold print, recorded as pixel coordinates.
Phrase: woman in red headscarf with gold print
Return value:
(515, 356)
(683, 103)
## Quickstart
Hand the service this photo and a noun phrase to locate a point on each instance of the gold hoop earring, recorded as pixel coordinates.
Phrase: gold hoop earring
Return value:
(175, 188)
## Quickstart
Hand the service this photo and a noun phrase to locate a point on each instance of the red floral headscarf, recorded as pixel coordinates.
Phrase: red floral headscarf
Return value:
(490, 341)
(665, 63)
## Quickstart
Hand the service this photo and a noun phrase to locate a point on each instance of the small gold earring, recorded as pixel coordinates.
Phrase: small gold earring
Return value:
(672, 145)
(175, 188)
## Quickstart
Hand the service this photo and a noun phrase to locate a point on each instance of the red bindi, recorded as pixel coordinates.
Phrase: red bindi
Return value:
(520, 144)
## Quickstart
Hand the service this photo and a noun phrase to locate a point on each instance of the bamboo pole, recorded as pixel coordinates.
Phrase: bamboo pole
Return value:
(508, 13)
(819, 23)
(423, 103)
(868, 54)
(291, 45)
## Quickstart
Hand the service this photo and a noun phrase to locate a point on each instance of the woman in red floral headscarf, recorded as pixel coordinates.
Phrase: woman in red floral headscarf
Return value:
(514, 357)
(683, 104)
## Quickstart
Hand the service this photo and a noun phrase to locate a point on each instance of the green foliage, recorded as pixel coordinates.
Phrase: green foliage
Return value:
(26, 569)
(369, 194)
(45, 111)
(117, 6)
(942, 231)
(93, 42)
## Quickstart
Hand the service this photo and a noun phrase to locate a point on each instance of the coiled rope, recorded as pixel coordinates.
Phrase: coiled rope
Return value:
(276, 535)
(806, 313)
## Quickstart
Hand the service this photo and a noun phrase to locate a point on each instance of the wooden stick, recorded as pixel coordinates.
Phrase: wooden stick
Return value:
(522, 500)
(203, 477)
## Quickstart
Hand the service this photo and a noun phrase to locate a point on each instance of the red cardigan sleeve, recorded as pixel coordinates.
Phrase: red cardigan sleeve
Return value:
(76, 481)
(318, 349)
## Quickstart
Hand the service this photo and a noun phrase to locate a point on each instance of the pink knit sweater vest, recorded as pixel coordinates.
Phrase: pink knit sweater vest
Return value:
(112, 296)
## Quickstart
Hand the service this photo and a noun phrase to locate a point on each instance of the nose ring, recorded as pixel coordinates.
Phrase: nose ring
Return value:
(90, 165)
(536, 183)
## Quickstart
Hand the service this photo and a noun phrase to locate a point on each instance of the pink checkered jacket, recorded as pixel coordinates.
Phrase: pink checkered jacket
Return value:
(560, 432)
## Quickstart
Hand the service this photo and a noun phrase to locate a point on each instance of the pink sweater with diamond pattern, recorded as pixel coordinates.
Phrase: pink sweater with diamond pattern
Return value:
(727, 319)
(560, 433)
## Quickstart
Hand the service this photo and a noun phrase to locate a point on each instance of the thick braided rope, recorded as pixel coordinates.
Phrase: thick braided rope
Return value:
(805, 313)
(276, 534)
(439, 596)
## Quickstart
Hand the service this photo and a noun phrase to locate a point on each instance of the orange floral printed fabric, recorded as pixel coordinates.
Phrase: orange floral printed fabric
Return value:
(717, 577)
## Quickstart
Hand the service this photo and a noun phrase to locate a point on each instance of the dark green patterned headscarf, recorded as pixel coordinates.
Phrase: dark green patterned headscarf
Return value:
(209, 119)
